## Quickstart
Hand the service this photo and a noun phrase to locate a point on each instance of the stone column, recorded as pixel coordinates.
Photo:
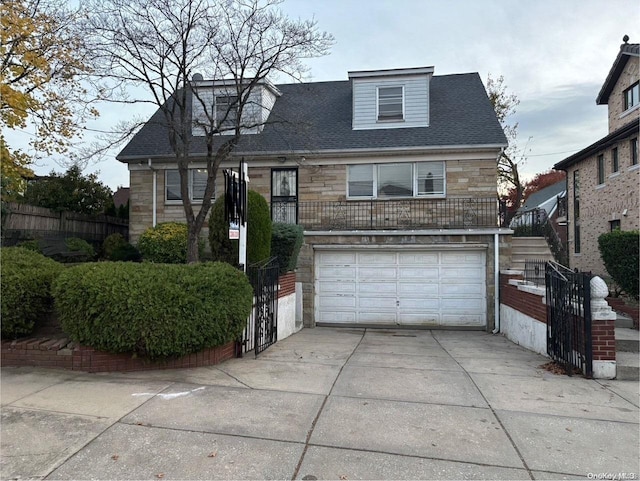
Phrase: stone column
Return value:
(602, 331)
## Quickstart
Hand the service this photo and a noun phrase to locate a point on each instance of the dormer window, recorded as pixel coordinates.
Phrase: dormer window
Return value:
(631, 96)
(391, 103)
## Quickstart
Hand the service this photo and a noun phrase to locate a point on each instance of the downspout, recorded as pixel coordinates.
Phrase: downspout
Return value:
(496, 282)
(154, 194)
(496, 276)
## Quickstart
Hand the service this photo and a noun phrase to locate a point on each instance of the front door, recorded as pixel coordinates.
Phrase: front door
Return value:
(284, 195)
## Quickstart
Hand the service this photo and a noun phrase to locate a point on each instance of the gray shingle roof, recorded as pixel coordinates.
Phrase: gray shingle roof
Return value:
(543, 195)
(317, 117)
(627, 50)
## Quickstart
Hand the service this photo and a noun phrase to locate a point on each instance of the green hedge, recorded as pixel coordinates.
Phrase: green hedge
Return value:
(26, 289)
(165, 243)
(620, 251)
(258, 231)
(154, 310)
(82, 247)
(112, 242)
(286, 240)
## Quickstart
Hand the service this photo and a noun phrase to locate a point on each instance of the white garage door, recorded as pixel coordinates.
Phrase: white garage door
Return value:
(406, 287)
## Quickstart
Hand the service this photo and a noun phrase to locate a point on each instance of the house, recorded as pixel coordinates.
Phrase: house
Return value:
(548, 203)
(392, 174)
(603, 178)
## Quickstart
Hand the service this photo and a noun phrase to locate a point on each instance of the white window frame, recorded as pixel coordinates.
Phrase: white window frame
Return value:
(634, 91)
(414, 174)
(190, 181)
(229, 128)
(378, 119)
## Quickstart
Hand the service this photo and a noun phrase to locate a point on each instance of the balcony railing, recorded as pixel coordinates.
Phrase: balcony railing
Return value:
(392, 214)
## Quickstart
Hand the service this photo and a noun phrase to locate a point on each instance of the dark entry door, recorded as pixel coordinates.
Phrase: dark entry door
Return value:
(284, 195)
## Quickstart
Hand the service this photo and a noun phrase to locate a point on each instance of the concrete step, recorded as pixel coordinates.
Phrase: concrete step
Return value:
(627, 340)
(623, 321)
(627, 366)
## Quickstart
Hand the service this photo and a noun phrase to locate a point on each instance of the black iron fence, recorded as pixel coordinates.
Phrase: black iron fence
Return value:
(262, 325)
(569, 339)
(536, 223)
(396, 214)
(534, 271)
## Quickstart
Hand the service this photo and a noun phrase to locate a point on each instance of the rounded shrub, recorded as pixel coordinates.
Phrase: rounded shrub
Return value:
(112, 242)
(620, 252)
(32, 245)
(165, 243)
(126, 253)
(26, 289)
(258, 231)
(154, 310)
(82, 247)
(286, 240)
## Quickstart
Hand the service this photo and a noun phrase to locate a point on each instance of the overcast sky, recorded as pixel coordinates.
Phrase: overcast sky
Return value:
(553, 54)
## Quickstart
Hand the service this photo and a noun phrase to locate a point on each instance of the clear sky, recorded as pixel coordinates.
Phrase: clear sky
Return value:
(553, 54)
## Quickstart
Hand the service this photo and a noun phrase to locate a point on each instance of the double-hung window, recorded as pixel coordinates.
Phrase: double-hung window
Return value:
(632, 96)
(633, 147)
(391, 103)
(197, 179)
(615, 163)
(384, 181)
(226, 111)
(600, 169)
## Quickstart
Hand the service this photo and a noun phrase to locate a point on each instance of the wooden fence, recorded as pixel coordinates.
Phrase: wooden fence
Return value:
(23, 222)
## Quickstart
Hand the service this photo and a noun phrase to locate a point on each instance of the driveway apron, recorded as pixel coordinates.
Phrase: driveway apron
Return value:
(326, 403)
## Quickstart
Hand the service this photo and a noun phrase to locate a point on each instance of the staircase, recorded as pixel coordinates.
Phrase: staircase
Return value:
(523, 248)
(627, 350)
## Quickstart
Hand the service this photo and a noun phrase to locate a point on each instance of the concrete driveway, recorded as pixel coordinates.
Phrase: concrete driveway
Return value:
(326, 404)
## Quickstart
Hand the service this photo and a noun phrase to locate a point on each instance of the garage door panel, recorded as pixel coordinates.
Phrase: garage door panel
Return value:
(422, 273)
(374, 303)
(334, 302)
(430, 290)
(336, 287)
(424, 304)
(462, 258)
(336, 257)
(384, 318)
(461, 273)
(372, 274)
(419, 318)
(418, 258)
(336, 316)
(377, 289)
(461, 304)
(456, 290)
(376, 258)
(334, 272)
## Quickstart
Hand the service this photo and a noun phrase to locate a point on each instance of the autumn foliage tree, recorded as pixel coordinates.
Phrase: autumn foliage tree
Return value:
(41, 64)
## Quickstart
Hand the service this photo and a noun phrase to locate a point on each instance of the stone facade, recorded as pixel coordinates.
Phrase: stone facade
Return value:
(618, 117)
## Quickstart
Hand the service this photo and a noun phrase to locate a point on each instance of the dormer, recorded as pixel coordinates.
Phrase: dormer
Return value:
(621, 90)
(391, 99)
(220, 97)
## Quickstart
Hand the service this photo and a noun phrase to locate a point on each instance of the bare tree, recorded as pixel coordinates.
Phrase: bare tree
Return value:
(161, 44)
(509, 182)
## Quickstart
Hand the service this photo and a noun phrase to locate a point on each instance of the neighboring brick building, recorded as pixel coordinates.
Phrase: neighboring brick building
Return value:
(603, 179)
(392, 173)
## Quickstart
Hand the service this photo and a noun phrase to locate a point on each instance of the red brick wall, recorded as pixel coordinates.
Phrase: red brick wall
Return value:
(287, 284)
(604, 340)
(64, 354)
(525, 302)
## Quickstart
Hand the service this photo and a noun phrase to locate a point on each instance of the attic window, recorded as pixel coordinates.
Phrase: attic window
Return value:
(631, 96)
(390, 103)
(226, 111)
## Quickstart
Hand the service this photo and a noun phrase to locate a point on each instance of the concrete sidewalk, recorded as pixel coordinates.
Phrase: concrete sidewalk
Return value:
(326, 404)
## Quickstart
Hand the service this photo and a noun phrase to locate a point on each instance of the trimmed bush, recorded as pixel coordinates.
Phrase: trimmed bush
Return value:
(620, 252)
(126, 253)
(26, 289)
(32, 245)
(112, 242)
(165, 243)
(153, 310)
(286, 240)
(258, 231)
(80, 246)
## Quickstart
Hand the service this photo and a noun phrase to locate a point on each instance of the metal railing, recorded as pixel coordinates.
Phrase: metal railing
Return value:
(534, 271)
(463, 213)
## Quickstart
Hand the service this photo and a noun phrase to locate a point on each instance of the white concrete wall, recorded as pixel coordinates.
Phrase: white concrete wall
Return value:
(523, 330)
(287, 317)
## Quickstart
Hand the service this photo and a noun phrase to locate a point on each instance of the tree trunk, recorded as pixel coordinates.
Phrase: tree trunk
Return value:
(193, 253)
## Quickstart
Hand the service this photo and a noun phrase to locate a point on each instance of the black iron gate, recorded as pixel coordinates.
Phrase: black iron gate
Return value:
(262, 325)
(569, 318)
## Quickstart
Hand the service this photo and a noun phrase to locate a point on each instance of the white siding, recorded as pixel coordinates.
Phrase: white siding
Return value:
(416, 101)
